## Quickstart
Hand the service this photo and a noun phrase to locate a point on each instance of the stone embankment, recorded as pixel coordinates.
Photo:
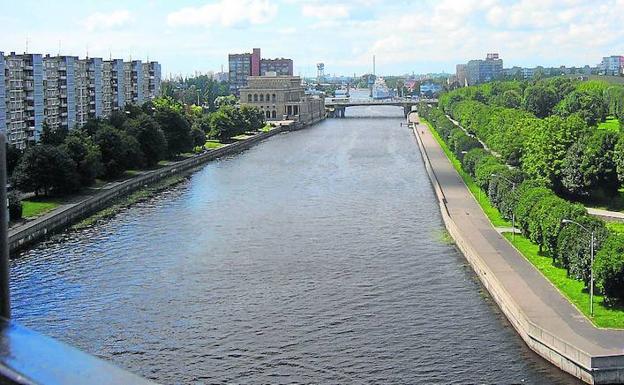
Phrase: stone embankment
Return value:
(547, 322)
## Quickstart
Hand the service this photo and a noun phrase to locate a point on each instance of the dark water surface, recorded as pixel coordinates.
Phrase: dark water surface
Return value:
(316, 256)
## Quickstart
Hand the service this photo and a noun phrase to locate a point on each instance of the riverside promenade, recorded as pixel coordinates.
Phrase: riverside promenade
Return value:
(544, 318)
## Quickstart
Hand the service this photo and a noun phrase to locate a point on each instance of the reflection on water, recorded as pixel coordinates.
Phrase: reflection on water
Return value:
(316, 256)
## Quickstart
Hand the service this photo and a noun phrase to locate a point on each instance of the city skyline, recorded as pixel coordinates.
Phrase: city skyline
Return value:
(405, 36)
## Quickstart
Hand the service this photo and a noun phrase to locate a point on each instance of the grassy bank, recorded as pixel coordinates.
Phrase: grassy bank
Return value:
(481, 196)
(124, 202)
(35, 207)
(573, 290)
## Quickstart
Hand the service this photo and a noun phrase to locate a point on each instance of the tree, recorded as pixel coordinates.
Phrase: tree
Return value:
(52, 136)
(85, 154)
(229, 100)
(45, 168)
(199, 137)
(150, 137)
(511, 99)
(590, 106)
(609, 268)
(253, 116)
(177, 131)
(539, 99)
(221, 125)
(120, 150)
(15, 205)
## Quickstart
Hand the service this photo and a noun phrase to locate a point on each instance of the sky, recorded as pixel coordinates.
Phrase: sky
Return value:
(418, 36)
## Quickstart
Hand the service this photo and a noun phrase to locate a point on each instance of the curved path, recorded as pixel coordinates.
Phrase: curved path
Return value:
(546, 320)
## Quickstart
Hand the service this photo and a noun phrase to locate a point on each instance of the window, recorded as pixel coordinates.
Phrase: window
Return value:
(255, 97)
(295, 110)
(268, 114)
(289, 111)
(268, 97)
(262, 97)
(273, 114)
(273, 98)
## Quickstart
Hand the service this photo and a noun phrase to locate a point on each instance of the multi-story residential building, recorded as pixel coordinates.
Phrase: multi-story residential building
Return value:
(135, 91)
(612, 65)
(113, 86)
(241, 66)
(480, 71)
(282, 98)
(95, 87)
(2, 95)
(65, 91)
(24, 97)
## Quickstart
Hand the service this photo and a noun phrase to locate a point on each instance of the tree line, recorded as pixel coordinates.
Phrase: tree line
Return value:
(135, 138)
(549, 128)
(539, 212)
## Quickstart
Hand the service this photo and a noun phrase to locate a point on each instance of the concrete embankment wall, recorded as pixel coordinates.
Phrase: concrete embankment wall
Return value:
(591, 369)
(45, 226)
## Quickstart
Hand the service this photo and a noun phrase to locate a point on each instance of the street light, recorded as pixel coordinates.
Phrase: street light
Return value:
(591, 263)
(513, 215)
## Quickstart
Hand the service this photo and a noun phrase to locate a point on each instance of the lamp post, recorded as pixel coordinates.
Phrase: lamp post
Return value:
(513, 215)
(591, 263)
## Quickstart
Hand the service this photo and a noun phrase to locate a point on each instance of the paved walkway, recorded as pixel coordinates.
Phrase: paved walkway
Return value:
(536, 297)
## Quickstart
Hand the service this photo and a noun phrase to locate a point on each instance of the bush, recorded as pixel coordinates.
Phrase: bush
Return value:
(470, 160)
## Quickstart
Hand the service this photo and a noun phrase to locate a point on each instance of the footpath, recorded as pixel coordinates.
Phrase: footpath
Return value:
(544, 318)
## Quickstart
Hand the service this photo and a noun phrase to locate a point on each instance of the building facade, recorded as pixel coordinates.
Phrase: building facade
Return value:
(282, 67)
(481, 71)
(24, 98)
(65, 91)
(612, 65)
(241, 66)
(282, 98)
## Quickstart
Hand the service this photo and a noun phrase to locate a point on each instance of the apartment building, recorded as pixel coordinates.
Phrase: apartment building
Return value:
(113, 88)
(612, 65)
(24, 98)
(480, 71)
(65, 91)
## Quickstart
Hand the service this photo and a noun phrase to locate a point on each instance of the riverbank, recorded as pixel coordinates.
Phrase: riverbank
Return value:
(82, 207)
(546, 321)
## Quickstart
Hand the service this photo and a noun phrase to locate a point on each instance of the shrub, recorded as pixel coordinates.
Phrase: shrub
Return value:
(609, 268)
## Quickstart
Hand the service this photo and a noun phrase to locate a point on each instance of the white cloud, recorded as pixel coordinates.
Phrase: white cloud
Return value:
(226, 13)
(325, 11)
(100, 20)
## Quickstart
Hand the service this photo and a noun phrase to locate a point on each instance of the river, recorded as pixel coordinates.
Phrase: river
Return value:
(317, 256)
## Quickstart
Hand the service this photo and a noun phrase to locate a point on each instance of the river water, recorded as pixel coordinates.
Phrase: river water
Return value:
(317, 256)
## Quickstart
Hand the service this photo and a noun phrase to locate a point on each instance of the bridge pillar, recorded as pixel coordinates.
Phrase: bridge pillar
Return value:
(406, 110)
(340, 112)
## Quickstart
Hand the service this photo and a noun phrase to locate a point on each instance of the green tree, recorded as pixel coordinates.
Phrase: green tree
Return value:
(177, 131)
(253, 117)
(52, 136)
(539, 99)
(120, 150)
(609, 268)
(85, 154)
(150, 137)
(590, 106)
(199, 137)
(48, 169)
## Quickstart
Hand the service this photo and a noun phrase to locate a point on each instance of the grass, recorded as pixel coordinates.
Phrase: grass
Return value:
(573, 290)
(611, 124)
(480, 196)
(616, 227)
(35, 207)
(242, 137)
(267, 127)
(212, 144)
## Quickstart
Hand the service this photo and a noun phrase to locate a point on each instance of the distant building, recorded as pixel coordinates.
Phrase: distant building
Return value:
(113, 88)
(460, 74)
(481, 71)
(244, 65)
(612, 65)
(222, 76)
(282, 98)
(430, 88)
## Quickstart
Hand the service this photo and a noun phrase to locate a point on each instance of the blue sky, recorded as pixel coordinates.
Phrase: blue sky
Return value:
(406, 36)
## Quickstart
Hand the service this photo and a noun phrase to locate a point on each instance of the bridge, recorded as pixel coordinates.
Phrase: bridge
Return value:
(336, 106)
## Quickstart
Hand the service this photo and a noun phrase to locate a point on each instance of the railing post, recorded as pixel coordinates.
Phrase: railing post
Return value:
(5, 298)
